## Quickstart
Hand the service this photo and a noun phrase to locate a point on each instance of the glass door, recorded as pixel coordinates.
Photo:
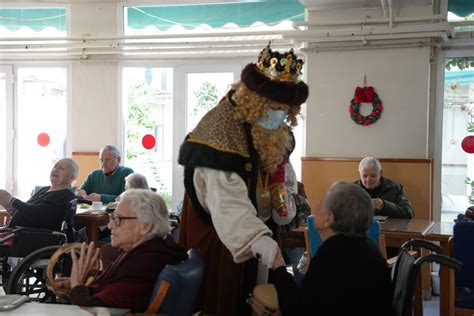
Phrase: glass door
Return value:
(201, 86)
(457, 173)
(41, 125)
(6, 140)
(147, 98)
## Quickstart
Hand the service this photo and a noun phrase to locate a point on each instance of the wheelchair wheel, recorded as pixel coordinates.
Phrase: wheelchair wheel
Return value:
(29, 276)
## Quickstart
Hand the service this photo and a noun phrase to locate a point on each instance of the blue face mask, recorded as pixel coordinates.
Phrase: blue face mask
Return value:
(274, 119)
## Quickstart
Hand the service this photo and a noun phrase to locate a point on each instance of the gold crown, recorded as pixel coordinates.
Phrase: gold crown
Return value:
(285, 67)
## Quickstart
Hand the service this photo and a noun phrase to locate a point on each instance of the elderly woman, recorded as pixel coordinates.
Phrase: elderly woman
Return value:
(45, 209)
(140, 228)
(136, 181)
(348, 275)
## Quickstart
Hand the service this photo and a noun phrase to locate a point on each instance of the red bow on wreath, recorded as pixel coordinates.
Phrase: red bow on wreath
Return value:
(364, 95)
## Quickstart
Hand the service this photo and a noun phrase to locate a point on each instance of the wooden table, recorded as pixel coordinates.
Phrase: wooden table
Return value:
(442, 232)
(396, 232)
(92, 222)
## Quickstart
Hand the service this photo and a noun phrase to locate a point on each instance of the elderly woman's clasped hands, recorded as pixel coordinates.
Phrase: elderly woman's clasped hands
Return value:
(83, 267)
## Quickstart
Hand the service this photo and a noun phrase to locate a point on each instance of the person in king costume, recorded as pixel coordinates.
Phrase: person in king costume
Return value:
(239, 181)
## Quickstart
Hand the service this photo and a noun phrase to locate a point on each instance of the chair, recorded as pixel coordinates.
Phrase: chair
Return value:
(177, 287)
(67, 227)
(406, 272)
(463, 233)
(313, 240)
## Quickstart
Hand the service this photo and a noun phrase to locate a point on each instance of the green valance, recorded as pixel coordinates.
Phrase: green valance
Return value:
(216, 15)
(461, 8)
(34, 18)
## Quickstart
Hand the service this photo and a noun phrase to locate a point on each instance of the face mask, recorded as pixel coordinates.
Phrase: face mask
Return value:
(275, 118)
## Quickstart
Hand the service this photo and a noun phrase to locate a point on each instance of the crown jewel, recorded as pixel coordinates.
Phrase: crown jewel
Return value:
(285, 67)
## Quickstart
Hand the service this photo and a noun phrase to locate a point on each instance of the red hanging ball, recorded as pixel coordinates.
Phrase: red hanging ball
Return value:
(43, 139)
(468, 144)
(148, 141)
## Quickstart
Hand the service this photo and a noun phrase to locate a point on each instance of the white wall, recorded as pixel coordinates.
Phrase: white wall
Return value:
(400, 78)
(94, 84)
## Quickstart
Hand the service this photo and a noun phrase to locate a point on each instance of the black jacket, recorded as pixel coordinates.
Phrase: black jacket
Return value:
(395, 202)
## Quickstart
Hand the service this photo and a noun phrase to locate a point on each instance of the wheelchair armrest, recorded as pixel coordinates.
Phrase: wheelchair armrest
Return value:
(21, 229)
(423, 244)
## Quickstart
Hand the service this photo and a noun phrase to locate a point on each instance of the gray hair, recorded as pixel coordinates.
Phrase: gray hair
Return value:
(136, 181)
(115, 151)
(149, 208)
(369, 162)
(73, 166)
(352, 209)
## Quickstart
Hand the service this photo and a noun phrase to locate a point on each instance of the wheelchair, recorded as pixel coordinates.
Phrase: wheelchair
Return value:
(25, 253)
(24, 259)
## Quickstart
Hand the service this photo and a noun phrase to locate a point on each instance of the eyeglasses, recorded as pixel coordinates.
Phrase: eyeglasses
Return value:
(106, 160)
(118, 219)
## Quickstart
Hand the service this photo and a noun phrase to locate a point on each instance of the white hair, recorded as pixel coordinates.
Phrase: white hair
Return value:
(136, 181)
(73, 166)
(150, 208)
(114, 150)
(369, 162)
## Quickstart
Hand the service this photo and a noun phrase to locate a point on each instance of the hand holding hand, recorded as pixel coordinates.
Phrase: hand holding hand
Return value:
(378, 203)
(83, 266)
(265, 249)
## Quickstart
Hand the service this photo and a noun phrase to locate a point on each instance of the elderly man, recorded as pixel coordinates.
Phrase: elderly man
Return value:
(388, 197)
(238, 181)
(140, 229)
(46, 208)
(106, 183)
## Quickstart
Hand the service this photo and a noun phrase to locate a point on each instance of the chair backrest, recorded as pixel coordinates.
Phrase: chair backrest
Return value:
(463, 233)
(67, 226)
(406, 270)
(177, 286)
(315, 240)
(405, 273)
(68, 221)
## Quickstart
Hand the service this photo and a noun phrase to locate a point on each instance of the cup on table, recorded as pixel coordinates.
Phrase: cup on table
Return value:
(96, 205)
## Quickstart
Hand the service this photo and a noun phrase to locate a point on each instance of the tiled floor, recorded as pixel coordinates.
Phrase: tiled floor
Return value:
(431, 307)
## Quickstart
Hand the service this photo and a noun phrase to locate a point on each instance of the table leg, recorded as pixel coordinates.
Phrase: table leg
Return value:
(93, 232)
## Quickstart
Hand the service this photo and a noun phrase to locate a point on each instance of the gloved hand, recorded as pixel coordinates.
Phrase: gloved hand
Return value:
(265, 249)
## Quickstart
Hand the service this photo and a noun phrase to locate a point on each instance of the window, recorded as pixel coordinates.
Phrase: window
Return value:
(458, 123)
(148, 111)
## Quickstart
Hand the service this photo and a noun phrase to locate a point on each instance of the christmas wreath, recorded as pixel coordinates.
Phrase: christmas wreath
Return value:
(366, 95)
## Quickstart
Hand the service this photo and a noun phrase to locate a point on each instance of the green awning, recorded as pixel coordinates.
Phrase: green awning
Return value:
(464, 76)
(216, 15)
(34, 18)
(461, 8)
